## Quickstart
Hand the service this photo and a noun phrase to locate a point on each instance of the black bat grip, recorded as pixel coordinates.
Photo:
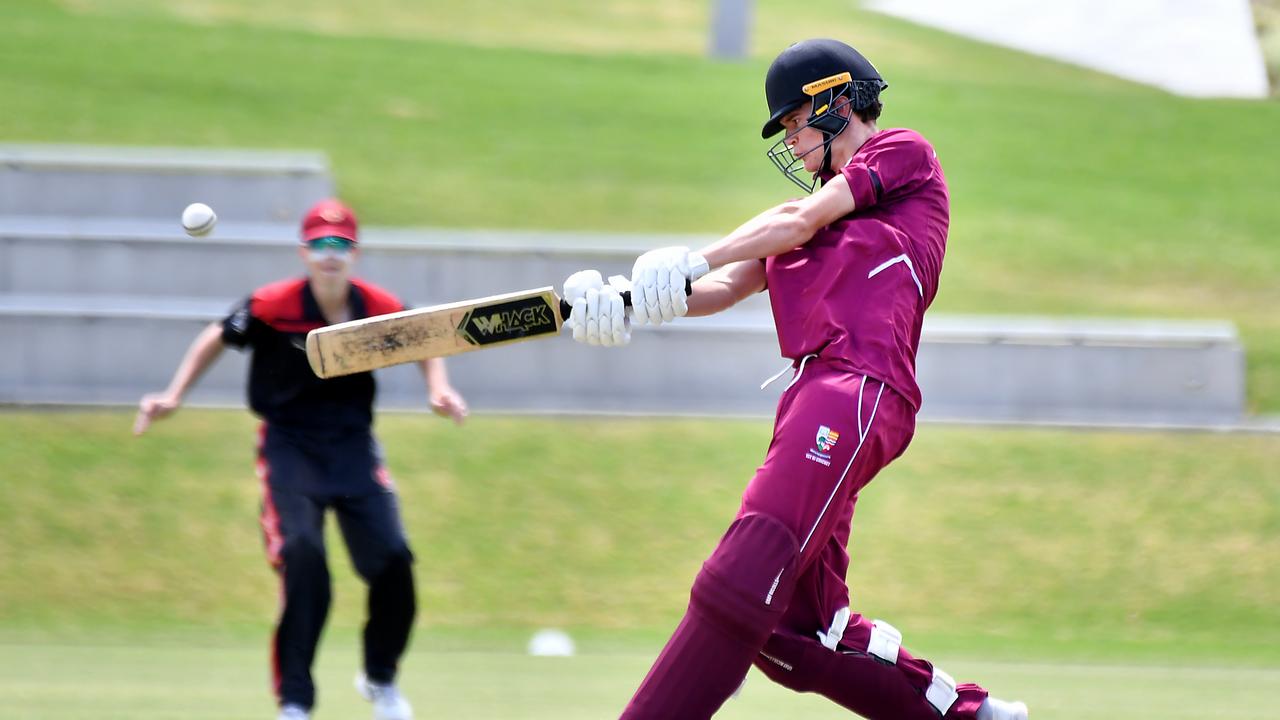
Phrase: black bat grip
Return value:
(566, 308)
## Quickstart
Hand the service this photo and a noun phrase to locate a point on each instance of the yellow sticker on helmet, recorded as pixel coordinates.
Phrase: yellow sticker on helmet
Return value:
(821, 110)
(818, 86)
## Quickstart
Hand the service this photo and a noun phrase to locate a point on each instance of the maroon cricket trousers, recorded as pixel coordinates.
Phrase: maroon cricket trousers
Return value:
(773, 592)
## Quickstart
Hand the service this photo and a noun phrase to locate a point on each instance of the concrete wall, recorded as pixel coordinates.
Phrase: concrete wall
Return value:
(108, 182)
(969, 370)
(99, 300)
(103, 319)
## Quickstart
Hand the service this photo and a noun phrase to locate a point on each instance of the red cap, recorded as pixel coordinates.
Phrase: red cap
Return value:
(329, 218)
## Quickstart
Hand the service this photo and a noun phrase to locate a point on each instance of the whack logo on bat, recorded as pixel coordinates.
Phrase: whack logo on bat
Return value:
(508, 321)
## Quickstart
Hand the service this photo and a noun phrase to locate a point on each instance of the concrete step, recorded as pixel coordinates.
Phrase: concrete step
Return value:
(425, 266)
(78, 349)
(149, 182)
(1082, 370)
(111, 349)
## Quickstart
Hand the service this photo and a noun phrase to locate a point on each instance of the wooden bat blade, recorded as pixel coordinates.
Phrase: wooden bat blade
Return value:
(436, 331)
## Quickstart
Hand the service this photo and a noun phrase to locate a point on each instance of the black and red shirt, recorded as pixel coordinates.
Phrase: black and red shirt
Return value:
(283, 390)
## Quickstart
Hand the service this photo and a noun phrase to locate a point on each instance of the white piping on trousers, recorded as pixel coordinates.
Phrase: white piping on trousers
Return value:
(799, 371)
(862, 437)
(768, 600)
(861, 385)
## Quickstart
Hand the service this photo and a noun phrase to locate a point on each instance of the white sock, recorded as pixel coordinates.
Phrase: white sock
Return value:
(994, 708)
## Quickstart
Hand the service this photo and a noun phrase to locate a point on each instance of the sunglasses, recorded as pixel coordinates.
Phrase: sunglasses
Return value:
(339, 244)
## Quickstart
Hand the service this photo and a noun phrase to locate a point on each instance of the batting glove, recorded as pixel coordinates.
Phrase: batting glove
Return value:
(599, 316)
(658, 280)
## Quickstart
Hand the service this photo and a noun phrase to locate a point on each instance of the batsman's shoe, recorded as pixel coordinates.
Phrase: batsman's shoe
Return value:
(293, 712)
(388, 703)
(997, 709)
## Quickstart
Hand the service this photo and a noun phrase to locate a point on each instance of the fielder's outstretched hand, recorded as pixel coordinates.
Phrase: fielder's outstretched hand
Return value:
(658, 281)
(154, 406)
(599, 315)
(447, 402)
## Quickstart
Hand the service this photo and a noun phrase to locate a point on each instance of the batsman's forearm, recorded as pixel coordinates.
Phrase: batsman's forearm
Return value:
(725, 287)
(433, 371)
(773, 232)
(709, 297)
(204, 350)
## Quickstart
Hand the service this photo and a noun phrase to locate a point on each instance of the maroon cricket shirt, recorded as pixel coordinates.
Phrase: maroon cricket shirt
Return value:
(856, 293)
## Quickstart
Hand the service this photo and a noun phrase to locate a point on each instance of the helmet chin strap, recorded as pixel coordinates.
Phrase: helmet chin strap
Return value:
(828, 137)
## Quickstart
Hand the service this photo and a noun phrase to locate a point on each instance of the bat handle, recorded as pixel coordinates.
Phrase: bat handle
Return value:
(566, 308)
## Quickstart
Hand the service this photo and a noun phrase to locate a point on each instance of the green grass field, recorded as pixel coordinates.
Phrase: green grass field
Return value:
(1096, 575)
(102, 528)
(1083, 571)
(226, 681)
(1073, 193)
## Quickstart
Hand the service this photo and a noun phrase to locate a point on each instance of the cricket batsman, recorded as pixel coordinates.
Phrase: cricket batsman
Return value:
(317, 452)
(850, 270)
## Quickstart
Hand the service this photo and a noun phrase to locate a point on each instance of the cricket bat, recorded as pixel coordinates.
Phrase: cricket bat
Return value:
(437, 331)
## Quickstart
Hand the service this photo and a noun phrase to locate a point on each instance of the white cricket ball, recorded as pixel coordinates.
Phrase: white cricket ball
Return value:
(551, 643)
(198, 219)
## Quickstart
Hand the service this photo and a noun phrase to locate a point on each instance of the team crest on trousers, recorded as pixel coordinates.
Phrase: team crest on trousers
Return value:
(823, 443)
(827, 438)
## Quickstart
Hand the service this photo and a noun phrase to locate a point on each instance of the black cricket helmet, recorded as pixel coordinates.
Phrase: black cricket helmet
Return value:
(829, 73)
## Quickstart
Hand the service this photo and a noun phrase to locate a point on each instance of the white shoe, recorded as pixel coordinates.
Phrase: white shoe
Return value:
(997, 709)
(293, 712)
(388, 703)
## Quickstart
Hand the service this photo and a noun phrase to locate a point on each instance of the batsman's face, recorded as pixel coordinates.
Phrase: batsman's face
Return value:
(805, 142)
(330, 258)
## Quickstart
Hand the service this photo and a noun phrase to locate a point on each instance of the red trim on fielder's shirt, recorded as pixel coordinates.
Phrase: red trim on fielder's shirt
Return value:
(279, 305)
(377, 301)
(281, 300)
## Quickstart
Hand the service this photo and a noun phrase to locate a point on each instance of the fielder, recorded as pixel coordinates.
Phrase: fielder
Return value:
(850, 271)
(316, 451)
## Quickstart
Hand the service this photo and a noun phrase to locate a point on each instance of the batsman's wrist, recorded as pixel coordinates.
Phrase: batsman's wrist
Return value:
(699, 265)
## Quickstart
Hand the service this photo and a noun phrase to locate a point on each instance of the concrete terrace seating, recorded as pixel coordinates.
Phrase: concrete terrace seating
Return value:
(98, 303)
(1072, 370)
(86, 335)
(80, 181)
(115, 256)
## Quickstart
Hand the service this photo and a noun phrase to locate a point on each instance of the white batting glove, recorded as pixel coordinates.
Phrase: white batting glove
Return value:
(599, 316)
(657, 284)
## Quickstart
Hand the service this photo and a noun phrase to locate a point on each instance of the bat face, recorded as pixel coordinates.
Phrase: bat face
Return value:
(437, 331)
